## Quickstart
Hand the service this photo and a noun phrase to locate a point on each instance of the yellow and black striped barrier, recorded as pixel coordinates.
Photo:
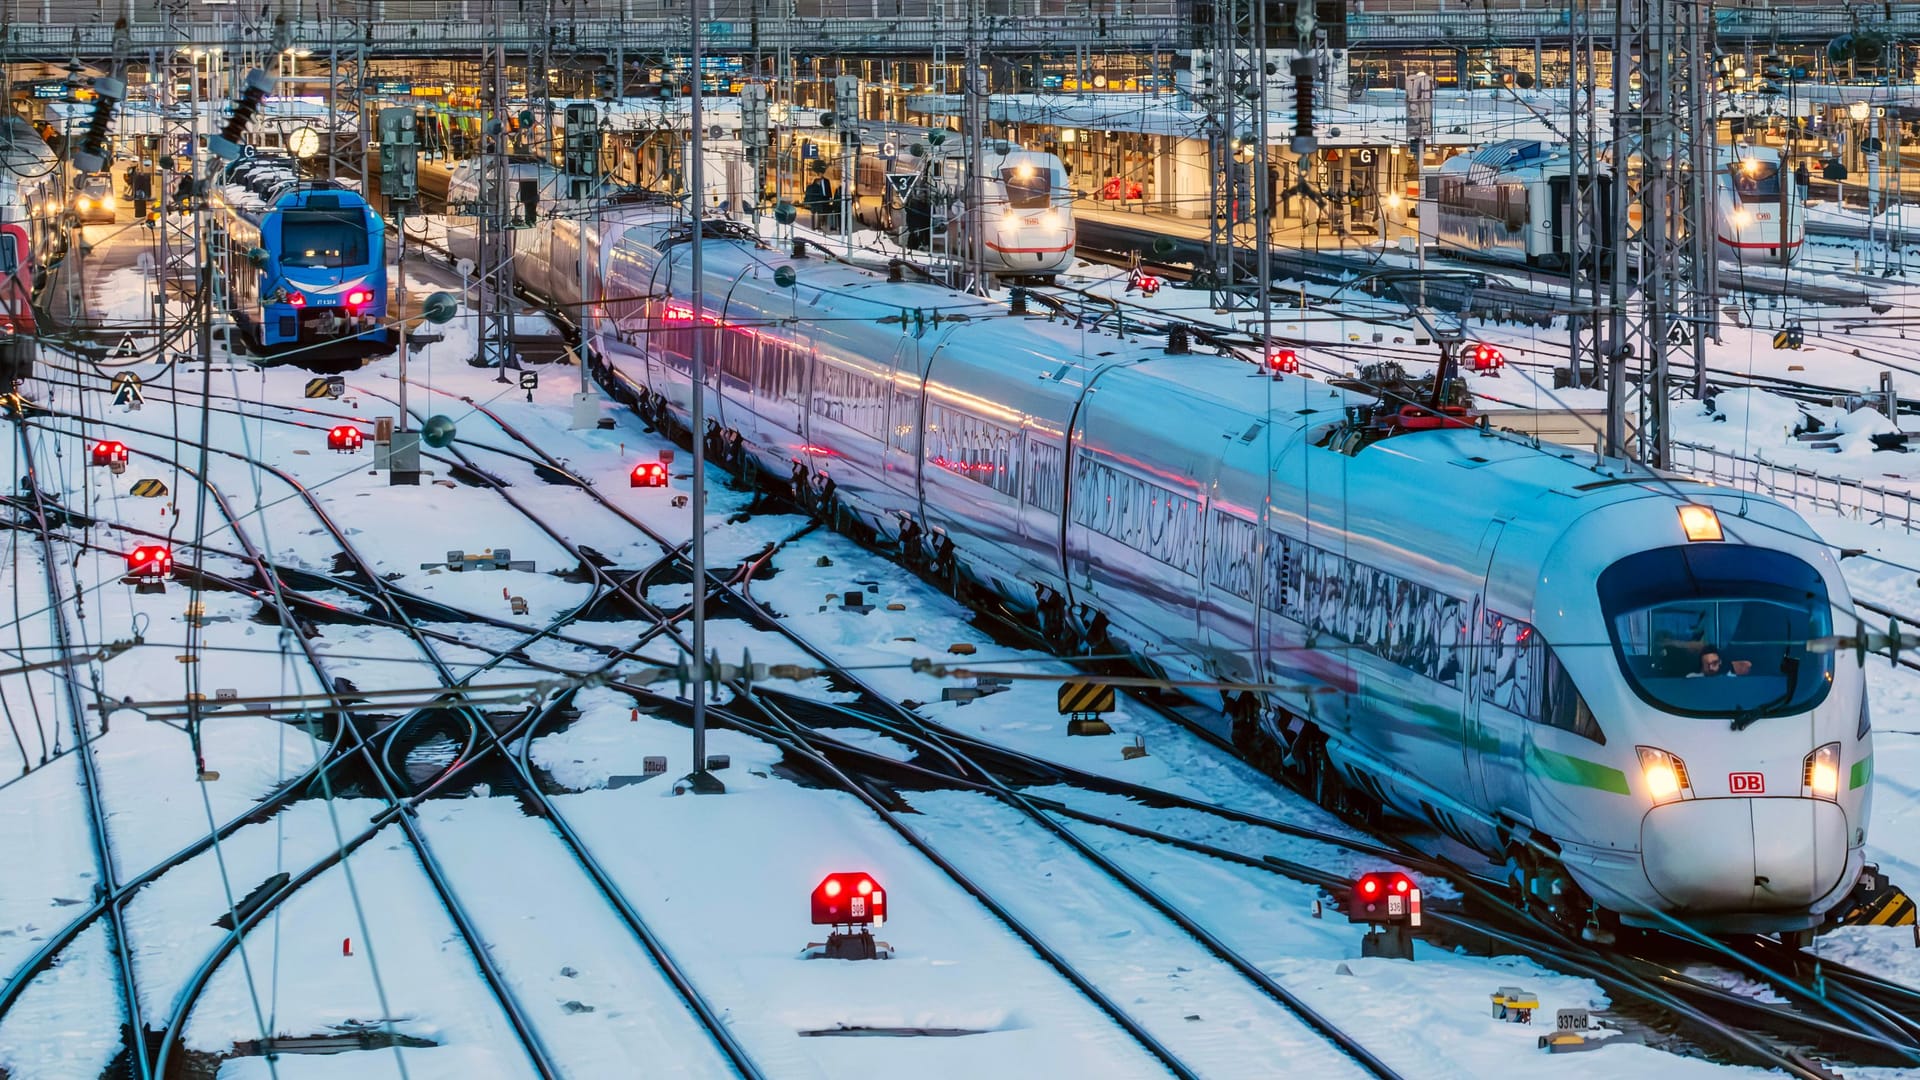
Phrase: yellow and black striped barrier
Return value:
(1082, 703)
(1891, 908)
(149, 489)
(1879, 902)
(1085, 697)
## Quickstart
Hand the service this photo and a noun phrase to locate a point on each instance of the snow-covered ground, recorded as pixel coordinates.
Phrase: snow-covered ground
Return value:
(723, 881)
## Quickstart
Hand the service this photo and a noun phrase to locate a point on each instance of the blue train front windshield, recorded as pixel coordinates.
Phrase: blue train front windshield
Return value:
(320, 238)
(1719, 630)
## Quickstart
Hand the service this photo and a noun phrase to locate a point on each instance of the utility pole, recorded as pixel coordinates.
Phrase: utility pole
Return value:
(1224, 62)
(974, 85)
(700, 781)
(494, 241)
(1665, 150)
(1588, 220)
(177, 262)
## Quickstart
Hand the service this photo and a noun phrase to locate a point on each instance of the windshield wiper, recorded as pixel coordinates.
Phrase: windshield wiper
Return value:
(1746, 718)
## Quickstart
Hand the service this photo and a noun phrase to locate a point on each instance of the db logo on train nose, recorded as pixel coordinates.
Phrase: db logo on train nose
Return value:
(1746, 783)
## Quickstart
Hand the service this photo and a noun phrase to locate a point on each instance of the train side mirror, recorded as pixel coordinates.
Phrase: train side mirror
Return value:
(257, 256)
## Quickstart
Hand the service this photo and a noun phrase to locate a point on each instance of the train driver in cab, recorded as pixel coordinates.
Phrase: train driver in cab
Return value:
(1711, 663)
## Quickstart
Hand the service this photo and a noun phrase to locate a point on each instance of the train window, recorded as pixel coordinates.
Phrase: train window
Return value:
(320, 238)
(849, 397)
(1281, 585)
(1719, 630)
(1510, 665)
(1045, 474)
(1029, 187)
(739, 349)
(9, 253)
(968, 446)
(1755, 179)
(1230, 555)
(1563, 705)
(1164, 525)
(905, 422)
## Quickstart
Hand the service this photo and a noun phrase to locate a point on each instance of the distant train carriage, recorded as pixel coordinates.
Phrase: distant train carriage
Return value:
(1027, 203)
(306, 264)
(1758, 212)
(31, 237)
(1511, 201)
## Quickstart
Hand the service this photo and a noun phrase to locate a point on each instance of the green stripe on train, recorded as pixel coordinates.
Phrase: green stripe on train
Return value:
(1572, 770)
(1862, 772)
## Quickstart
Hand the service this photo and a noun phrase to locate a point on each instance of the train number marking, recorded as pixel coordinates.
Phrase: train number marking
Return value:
(1746, 783)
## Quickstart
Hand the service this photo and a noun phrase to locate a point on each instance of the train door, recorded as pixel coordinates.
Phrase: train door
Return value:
(1560, 209)
(1494, 731)
(901, 458)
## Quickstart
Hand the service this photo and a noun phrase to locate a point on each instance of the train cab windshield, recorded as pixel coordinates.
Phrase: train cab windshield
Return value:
(1755, 179)
(1029, 187)
(1719, 630)
(322, 239)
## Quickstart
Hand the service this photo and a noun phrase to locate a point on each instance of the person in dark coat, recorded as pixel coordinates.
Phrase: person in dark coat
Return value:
(140, 190)
(919, 218)
(819, 202)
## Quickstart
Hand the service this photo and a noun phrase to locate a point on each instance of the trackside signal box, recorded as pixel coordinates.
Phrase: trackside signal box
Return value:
(853, 904)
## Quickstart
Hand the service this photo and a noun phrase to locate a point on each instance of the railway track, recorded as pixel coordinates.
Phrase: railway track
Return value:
(1496, 298)
(399, 809)
(776, 720)
(137, 1064)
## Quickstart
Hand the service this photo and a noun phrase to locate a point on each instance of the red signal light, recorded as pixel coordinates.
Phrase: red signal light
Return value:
(345, 439)
(1283, 361)
(1384, 898)
(150, 561)
(648, 474)
(834, 904)
(109, 453)
(1488, 358)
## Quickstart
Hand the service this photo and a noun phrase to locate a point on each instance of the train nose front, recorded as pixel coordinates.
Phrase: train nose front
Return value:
(1712, 855)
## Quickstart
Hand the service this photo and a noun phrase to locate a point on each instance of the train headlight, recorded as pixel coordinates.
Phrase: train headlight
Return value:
(1741, 217)
(1699, 522)
(110, 202)
(1010, 217)
(1393, 202)
(83, 203)
(1664, 774)
(1050, 219)
(1820, 773)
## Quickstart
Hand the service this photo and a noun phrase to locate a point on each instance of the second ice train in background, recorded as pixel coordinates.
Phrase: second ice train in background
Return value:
(1509, 202)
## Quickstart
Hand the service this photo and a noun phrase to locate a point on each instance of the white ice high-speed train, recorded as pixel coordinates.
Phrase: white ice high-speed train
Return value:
(1509, 201)
(1027, 202)
(1527, 649)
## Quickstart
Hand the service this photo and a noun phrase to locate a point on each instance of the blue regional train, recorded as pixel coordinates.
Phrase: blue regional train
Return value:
(305, 263)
